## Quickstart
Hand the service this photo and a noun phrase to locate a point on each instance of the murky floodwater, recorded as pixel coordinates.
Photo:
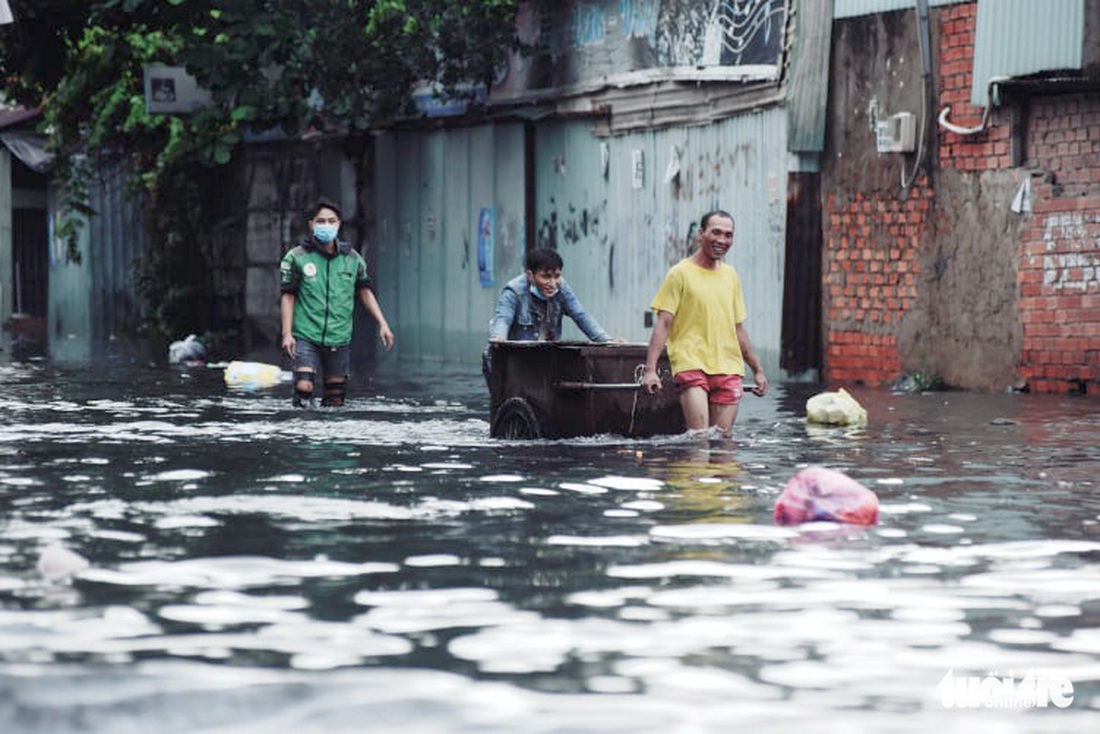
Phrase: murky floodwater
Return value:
(390, 567)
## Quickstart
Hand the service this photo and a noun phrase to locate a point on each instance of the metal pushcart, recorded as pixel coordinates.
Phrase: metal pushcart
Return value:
(568, 389)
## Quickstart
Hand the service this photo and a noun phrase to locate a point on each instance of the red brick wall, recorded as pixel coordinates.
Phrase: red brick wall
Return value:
(1059, 262)
(1059, 282)
(869, 287)
(990, 149)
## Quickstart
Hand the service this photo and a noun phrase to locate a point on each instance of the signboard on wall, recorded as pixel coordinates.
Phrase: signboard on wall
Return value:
(587, 43)
(170, 89)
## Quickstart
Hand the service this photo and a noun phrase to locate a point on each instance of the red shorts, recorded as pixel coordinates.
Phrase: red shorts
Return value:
(721, 389)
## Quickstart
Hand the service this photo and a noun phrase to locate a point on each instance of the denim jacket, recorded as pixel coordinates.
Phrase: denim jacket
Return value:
(519, 318)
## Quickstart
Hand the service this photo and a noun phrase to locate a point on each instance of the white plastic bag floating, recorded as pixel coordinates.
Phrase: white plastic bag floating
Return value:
(835, 409)
(57, 563)
(252, 375)
(186, 350)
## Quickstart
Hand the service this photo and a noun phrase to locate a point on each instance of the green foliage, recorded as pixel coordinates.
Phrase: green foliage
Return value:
(334, 66)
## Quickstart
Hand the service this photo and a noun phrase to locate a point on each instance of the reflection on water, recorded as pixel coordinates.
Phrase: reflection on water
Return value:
(258, 569)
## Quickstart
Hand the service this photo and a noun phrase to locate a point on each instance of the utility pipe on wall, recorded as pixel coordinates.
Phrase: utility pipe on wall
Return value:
(925, 41)
(959, 130)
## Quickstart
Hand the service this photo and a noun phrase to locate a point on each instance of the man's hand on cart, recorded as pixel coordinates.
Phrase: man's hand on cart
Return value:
(651, 381)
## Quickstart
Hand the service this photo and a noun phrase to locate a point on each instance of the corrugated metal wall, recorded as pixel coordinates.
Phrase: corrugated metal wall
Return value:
(1020, 37)
(431, 188)
(69, 325)
(619, 231)
(808, 77)
(95, 300)
(116, 237)
(6, 276)
(853, 8)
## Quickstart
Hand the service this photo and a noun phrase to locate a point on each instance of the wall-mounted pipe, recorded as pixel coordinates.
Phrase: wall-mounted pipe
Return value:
(959, 130)
(924, 38)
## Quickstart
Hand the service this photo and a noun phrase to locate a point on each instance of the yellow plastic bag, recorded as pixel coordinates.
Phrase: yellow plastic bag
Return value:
(835, 409)
(252, 375)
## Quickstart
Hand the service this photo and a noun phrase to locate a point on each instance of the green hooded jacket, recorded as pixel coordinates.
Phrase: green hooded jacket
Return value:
(325, 287)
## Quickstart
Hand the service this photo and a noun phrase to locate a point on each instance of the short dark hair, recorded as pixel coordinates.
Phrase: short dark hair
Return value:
(709, 215)
(543, 258)
(322, 203)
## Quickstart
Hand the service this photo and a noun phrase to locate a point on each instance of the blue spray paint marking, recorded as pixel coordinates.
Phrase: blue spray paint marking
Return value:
(587, 23)
(640, 18)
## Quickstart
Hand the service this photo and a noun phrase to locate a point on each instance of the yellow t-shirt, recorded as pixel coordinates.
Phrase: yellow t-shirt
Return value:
(706, 306)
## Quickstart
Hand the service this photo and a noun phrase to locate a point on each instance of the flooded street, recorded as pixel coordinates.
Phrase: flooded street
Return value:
(389, 566)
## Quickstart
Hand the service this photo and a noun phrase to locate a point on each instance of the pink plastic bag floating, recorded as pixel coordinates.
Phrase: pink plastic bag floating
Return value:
(817, 493)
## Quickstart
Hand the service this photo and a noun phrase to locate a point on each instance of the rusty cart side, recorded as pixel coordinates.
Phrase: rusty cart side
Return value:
(569, 389)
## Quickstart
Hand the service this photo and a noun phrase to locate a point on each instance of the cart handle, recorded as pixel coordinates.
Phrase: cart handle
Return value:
(624, 386)
(611, 386)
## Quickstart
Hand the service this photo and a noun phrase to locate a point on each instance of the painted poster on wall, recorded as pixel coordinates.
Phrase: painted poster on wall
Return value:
(485, 229)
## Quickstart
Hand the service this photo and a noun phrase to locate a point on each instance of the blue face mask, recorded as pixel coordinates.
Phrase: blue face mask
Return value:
(537, 293)
(325, 232)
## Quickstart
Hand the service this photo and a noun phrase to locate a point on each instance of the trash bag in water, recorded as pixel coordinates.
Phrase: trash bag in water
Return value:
(57, 563)
(819, 494)
(253, 375)
(835, 408)
(186, 350)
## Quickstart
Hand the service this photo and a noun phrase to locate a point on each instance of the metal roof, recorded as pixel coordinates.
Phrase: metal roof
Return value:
(1015, 38)
(853, 8)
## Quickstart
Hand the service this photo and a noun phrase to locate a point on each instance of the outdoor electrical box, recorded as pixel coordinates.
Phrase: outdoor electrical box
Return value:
(896, 134)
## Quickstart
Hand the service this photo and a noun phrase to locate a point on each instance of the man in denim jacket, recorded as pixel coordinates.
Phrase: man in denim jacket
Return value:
(531, 305)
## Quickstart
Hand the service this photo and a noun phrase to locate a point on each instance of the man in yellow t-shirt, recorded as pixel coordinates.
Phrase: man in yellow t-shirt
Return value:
(700, 315)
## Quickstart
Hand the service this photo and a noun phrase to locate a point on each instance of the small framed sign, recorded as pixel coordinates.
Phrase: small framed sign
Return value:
(170, 89)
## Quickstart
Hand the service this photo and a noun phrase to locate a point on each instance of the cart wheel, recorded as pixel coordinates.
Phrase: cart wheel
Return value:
(515, 419)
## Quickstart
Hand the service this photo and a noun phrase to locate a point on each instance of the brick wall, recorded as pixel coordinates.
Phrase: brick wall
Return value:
(1059, 284)
(1059, 255)
(1059, 275)
(991, 149)
(869, 286)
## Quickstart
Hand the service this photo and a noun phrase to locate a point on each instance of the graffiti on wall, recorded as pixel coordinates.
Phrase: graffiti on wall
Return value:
(485, 245)
(591, 23)
(721, 32)
(585, 41)
(576, 224)
(1070, 262)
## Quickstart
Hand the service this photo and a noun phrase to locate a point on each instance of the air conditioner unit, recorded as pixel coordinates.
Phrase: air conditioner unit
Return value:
(896, 134)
